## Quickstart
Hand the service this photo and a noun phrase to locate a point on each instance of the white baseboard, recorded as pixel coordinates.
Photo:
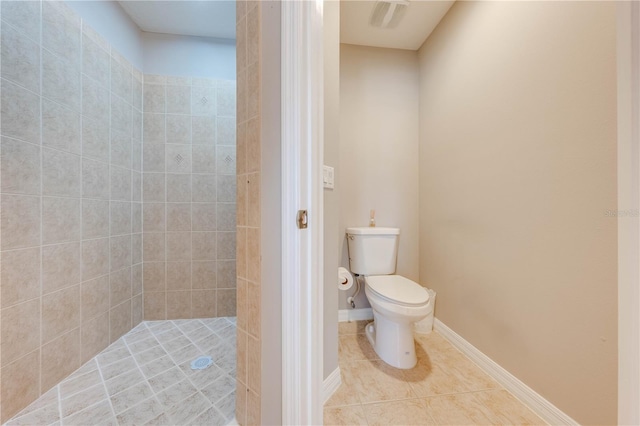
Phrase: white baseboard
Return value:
(345, 315)
(543, 408)
(331, 385)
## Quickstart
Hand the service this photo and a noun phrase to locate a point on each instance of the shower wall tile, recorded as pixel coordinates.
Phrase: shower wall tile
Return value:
(178, 129)
(203, 100)
(178, 217)
(95, 218)
(20, 59)
(95, 59)
(120, 212)
(204, 275)
(179, 246)
(20, 380)
(204, 159)
(60, 80)
(95, 100)
(178, 99)
(179, 304)
(95, 139)
(60, 358)
(226, 130)
(121, 149)
(154, 98)
(61, 127)
(20, 221)
(61, 220)
(95, 179)
(94, 297)
(61, 173)
(204, 188)
(19, 113)
(71, 127)
(178, 158)
(20, 166)
(20, 330)
(153, 187)
(21, 267)
(246, 154)
(60, 266)
(61, 31)
(180, 187)
(23, 15)
(121, 80)
(94, 335)
(95, 258)
(154, 128)
(60, 312)
(203, 130)
(120, 183)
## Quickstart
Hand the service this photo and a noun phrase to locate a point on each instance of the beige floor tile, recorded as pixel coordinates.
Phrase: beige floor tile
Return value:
(469, 373)
(506, 409)
(376, 381)
(428, 379)
(349, 415)
(352, 327)
(405, 412)
(347, 393)
(458, 409)
(355, 347)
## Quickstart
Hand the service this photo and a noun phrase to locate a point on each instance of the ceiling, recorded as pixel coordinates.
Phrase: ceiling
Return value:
(202, 18)
(420, 19)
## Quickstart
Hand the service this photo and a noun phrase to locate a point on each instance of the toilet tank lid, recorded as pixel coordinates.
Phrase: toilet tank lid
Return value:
(373, 230)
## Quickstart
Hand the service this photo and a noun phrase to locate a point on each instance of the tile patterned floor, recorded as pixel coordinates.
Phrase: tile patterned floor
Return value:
(445, 388)
(145, 378)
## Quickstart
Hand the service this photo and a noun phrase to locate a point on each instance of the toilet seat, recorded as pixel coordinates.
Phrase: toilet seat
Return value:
(398, 289)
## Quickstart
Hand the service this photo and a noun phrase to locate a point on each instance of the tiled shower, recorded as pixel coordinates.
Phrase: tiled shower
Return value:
(117, 199)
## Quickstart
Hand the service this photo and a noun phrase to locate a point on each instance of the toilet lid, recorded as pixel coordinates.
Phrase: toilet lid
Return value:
(398, 289)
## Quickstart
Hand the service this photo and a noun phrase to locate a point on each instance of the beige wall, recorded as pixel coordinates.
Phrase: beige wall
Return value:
(517, 169)
(71, 121)
(332, 234)
(378, 156)
(189, 194)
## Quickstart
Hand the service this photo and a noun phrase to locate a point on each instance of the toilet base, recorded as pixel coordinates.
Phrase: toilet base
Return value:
(392, 341)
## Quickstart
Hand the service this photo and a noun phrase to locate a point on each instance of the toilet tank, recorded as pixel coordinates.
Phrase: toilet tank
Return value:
(373, 250)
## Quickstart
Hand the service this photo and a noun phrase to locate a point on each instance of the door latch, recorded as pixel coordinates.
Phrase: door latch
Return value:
(301, 219)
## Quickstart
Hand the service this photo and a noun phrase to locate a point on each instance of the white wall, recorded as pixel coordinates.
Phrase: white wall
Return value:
(189, 56)
(517, 169)
(153, 53)
(332, 232)
(378, 154)
(113, 23)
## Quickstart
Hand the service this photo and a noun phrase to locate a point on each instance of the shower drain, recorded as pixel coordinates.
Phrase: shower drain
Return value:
(201, 363)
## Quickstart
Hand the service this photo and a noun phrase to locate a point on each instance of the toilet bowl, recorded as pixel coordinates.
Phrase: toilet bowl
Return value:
(397, 303)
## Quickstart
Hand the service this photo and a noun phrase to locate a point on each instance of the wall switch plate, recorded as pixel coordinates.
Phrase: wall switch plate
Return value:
(327, 177)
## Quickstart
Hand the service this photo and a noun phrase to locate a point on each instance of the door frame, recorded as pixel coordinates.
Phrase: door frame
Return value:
(628, 78)
(302, 262)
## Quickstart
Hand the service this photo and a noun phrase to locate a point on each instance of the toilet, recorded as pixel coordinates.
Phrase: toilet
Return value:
(397, 302)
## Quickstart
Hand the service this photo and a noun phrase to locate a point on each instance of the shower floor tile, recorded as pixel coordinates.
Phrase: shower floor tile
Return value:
(445, 388)
(145, 377)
